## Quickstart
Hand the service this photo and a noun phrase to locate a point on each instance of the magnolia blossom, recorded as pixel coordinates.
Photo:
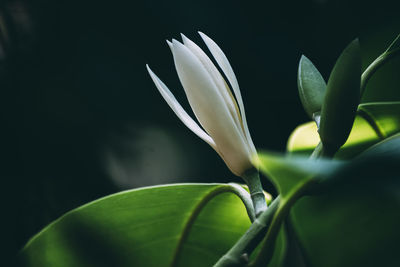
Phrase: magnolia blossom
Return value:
(220, 114)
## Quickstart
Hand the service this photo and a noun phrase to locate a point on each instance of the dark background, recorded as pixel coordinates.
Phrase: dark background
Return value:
(82, 119)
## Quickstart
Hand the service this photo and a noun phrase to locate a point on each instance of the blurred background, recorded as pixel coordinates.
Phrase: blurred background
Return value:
(81, 118)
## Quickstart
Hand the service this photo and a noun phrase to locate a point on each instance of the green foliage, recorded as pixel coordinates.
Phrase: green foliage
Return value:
(329, 212)
(351, 214)
(374, 122)
(354, 222)
(143, 227)
(341, 99)
(311, 87)
(381, 69)
(305, 138)
(288, 173)
(384, 117)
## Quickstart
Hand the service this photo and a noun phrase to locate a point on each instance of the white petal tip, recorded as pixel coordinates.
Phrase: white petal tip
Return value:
(174, 41)
(152, 74)
(202, 34)
(186, 41)
(177, 44)
(206, 39)
(184, 38)
(169, 44)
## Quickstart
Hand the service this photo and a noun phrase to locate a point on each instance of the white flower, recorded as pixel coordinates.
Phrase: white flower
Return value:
(211, 99)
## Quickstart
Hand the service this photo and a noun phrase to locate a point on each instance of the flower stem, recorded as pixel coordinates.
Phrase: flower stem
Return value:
(375, 65)
(252, 178)
(238, 254)
(267, 244)
(321, 151)
(231, 188)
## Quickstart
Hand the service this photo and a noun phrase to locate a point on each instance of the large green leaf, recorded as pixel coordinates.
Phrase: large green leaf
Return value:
(179, 225)
(293, 177)
(374, 122)
(355, 222)
(287, 173)
(350, 217)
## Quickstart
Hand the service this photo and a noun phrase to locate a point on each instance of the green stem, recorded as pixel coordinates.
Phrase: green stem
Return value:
(252, 178)
(366, 116)
(321, 151)
(374, 66)
(268, 221)
(238, 254)
(267, 244)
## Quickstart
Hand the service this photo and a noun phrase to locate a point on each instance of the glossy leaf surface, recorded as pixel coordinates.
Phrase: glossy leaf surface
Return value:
(287, 172)
(355, 221)
(144, 227)
(351, 217)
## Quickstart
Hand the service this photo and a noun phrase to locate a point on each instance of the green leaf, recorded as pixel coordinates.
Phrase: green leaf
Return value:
(311, 87)
(374, 122)
(280, 249)
(351, 217)
(383, 116)
(144, 227)
(287, 173)
(305, 138)
(389, 147)
(293, 176)
(356, 221)
(341, 98)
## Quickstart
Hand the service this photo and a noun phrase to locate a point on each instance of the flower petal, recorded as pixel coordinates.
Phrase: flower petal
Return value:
(179, 111)
(226, 67)
(169, 44)
(210, 108)
(217, 78)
